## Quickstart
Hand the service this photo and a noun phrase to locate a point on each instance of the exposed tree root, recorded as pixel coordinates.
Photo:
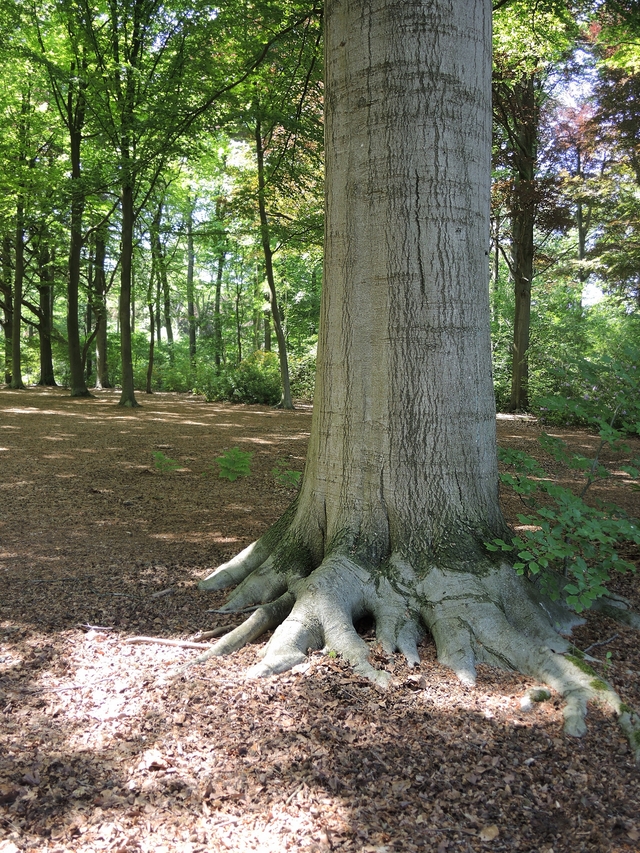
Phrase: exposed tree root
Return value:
(488, 615)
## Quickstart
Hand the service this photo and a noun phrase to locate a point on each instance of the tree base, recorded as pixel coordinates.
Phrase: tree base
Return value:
(490, 615)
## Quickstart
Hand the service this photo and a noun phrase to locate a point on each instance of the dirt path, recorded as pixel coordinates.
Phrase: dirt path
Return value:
(98, 753)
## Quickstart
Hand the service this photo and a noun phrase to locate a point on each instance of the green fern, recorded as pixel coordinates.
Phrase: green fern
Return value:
(234, 463)
(286, 477)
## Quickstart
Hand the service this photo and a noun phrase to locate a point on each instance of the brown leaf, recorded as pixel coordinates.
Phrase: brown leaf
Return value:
(489, 833)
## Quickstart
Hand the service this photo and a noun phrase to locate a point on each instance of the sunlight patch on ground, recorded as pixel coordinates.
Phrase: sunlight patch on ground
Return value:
(5, 486)
(198, 536)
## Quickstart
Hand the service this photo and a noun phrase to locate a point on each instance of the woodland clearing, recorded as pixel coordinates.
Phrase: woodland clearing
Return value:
(100, 751)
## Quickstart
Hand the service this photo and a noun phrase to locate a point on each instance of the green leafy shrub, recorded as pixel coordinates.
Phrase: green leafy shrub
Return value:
(303, 376)
(254, 380)
(569, 545)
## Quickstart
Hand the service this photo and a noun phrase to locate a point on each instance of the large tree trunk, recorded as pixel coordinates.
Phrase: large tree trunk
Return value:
(400, 490)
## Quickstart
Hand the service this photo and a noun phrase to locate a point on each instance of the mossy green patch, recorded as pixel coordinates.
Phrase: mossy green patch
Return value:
(584, 667)
(599, 684)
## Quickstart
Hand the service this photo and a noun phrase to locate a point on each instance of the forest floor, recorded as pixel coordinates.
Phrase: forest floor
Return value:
(99, 752)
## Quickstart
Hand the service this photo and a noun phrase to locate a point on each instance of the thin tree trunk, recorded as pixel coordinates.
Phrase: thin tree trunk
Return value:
(522, 230)
(127, 397)
(267, 331)
(190, 300)
(524, 136)
(7, 293)
(152, 332)
(100, 307)
(218, 346)
(286, 401)
(75, 113)
(45, 295)
(157, 250)
(238, 323)
(18, 284)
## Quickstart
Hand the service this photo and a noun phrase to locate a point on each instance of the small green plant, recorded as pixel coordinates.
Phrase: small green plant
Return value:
(165, 464)
(571, 547)
(286, 477)
(234, 463)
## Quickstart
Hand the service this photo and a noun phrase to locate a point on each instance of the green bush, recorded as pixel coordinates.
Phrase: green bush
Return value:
(254, 380)
(570, 546)
(303, 376)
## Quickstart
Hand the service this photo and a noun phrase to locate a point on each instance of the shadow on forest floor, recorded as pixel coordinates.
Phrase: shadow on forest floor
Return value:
(99, 752)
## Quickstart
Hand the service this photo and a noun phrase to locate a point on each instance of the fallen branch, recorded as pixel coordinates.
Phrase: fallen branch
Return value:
(601, 643)
(161, 641)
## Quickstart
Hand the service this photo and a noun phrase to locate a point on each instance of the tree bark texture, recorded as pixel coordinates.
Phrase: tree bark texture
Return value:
(400, 490)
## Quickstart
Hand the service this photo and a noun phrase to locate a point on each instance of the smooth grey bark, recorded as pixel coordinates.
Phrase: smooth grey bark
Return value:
(400, 490)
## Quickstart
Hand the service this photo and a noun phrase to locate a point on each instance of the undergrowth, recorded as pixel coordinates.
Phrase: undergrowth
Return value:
(571, 546)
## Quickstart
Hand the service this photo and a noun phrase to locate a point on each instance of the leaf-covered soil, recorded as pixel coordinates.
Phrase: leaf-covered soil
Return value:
(99, 751)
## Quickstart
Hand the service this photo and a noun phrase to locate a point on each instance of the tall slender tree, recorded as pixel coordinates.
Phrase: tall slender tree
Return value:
(531, 40)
